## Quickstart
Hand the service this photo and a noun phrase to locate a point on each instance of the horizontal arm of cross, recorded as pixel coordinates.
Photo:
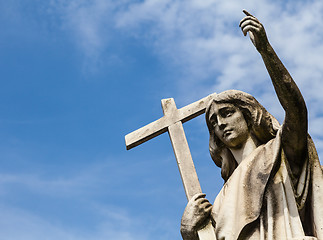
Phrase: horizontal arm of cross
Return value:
(160, 126)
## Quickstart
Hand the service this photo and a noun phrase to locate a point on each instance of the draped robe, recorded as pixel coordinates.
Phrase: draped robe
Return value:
(263, 200)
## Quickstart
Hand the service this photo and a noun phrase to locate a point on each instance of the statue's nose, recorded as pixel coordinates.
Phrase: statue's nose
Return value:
(221, 123)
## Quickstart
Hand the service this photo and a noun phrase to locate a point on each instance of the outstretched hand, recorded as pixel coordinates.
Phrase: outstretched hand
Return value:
(256, 31)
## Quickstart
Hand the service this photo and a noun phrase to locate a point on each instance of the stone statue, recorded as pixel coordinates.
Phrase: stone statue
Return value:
(273, 179)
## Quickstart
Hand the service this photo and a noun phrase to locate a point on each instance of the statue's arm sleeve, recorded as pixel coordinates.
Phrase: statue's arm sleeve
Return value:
(294, 132)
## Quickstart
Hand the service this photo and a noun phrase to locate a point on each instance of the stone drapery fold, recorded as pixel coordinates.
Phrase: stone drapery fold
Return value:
(263, 201)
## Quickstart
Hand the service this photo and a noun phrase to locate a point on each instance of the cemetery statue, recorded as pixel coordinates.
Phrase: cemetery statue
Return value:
(273, 178)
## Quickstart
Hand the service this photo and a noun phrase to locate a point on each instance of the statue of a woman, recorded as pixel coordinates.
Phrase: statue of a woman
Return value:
(273, 179)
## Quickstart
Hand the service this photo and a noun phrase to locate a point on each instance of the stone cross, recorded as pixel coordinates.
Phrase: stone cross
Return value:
(172, 121)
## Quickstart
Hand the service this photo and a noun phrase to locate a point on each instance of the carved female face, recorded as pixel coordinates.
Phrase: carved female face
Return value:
(229, 124)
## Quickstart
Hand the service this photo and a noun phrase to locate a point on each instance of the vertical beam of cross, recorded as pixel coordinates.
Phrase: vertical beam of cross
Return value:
(181, 150)
(172, 121)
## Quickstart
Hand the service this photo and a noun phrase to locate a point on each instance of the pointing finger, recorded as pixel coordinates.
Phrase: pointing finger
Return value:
(247, 13)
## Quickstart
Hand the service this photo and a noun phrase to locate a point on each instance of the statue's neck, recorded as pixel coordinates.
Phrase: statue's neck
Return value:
(245, 149)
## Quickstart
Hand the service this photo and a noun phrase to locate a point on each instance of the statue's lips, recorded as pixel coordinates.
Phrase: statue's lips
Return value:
(227, 132)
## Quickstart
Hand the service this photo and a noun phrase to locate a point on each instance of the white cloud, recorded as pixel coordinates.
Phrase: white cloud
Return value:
(202, 40)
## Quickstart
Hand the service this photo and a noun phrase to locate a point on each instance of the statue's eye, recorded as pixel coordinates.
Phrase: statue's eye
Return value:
(227, 112)
(213, 120)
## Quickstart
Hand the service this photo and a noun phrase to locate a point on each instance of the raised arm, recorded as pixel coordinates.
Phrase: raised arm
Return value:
(294, 132)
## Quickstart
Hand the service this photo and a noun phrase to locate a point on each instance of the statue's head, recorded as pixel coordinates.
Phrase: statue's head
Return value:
(246, 116)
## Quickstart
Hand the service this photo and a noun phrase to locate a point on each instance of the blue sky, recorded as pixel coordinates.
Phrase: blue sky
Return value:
(78, 75)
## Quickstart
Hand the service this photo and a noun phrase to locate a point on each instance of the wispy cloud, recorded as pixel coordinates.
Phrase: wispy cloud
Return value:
(87, 180)
(203, 41)
(90, 25)
(115, 224)
(88, 22)
(109, 218)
